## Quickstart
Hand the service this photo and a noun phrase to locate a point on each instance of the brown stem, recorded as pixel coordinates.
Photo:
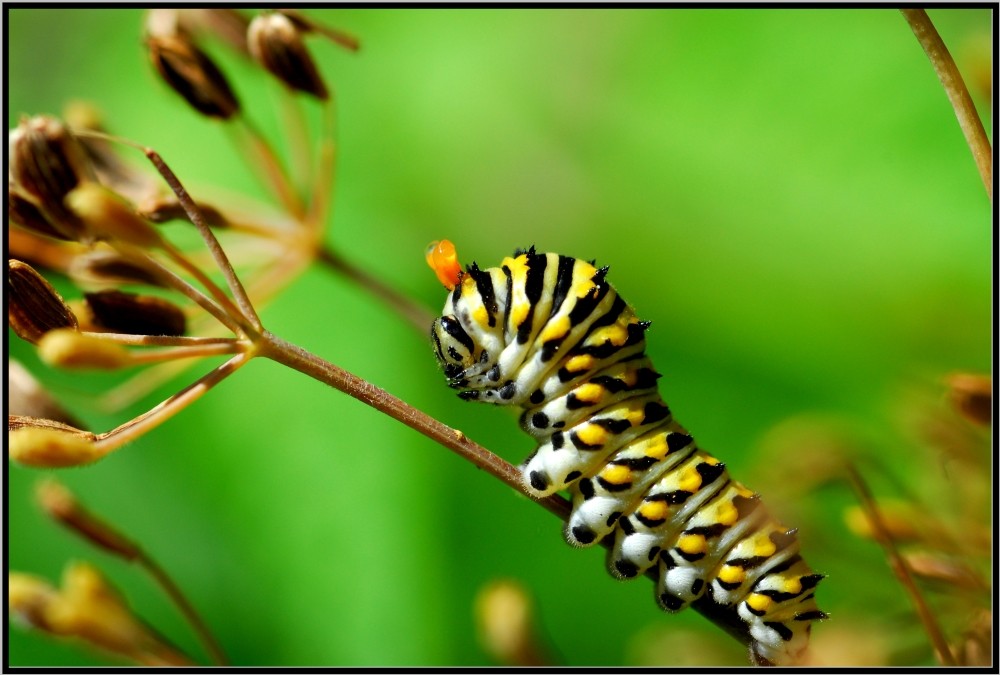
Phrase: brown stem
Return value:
(958, 93)
(186, 608)
(900, 567)
(417, 315)
(297, 358)
(198, 220)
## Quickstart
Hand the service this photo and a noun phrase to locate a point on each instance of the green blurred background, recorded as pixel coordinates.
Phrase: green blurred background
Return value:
(786, 195)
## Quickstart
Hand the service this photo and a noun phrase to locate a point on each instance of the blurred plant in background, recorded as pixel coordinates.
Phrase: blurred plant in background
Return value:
(604, 133)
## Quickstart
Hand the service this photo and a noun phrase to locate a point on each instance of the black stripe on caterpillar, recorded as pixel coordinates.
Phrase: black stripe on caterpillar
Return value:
(548, 334)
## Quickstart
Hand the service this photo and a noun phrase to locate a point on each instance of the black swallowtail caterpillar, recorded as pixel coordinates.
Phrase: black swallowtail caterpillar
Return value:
(548, 334)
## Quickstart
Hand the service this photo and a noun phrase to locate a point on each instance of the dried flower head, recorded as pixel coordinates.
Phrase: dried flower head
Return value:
(192, 74)
(89, 609)
(135, 314)
(49, 444)
(46, 162)
(276, 43)
(33, 306)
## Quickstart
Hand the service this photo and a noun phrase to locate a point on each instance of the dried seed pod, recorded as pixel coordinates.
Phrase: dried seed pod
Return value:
(47, 161)
(25, 396)
(24, 213)
(91, 610)
(43, 443)
(276, 43)
(972, 396)
(111, 269)
(193, 75)
(108, 216)
(62, 506)
(34, 307)
(165, 209)
(134, 314)
(68, 349)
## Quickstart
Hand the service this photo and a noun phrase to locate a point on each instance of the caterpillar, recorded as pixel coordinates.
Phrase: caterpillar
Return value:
(547, 334)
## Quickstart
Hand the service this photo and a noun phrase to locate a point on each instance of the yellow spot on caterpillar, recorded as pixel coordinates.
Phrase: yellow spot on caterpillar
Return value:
(518, 313)
(635, 416)
(690, 481)
(763, 546)
(593, 435)
(793, 585)
(518, 267)
(579, 363)
(657, 510)
(582, 275)
(617, 474)
(589, 393)
(758, 602)
(732, 574)
(692, 543)
(481, 316)
(657, 449)
(727, 514)
(556, 329)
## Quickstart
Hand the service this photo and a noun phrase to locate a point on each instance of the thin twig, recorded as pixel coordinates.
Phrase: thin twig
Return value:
(184, 605)
(900, 567)
(198, 220)
(168, 278)
(163, 411)
(160, 340)
(417, 315)
(958, 93)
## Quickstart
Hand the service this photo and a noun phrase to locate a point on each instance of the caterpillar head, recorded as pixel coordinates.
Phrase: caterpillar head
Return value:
(453, 347)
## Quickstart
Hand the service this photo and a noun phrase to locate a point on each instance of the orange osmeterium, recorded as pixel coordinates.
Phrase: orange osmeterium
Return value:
(443, 260)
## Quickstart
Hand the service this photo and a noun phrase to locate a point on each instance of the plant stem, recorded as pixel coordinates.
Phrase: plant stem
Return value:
(177, 596)
(198, 220)
(160, 413)
(958, 93)
(900, 567)
(295, 357)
